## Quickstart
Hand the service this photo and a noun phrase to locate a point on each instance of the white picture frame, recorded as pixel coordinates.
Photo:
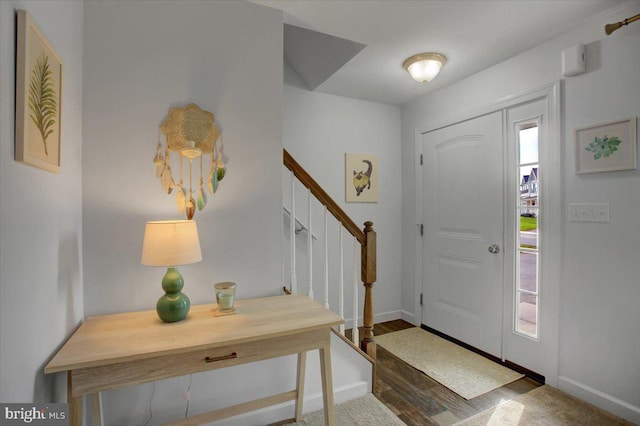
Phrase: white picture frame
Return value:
(608, 147)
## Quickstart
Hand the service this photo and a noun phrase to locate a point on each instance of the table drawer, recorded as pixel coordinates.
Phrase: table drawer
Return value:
(96, 379)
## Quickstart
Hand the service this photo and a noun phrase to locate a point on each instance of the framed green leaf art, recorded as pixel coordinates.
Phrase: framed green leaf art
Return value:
(606, 147)
(38, 97)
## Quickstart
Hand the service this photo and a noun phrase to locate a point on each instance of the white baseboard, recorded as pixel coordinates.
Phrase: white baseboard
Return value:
(408, 317)
(279, 412)
(600, 399)
(386, 316)
(377, 318)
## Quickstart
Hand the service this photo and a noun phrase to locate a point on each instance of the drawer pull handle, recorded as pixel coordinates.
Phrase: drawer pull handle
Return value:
(232, 355)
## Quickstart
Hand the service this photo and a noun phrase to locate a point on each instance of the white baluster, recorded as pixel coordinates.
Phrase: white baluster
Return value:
(284, 268)
(355, 338)
(292, 234)
(326, 262)
(310, 246)
(284, 239)
(341, 283)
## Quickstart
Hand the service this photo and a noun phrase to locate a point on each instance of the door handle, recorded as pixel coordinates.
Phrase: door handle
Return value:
(494, 249)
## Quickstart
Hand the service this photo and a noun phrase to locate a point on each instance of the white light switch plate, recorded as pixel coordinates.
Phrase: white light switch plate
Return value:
(589, 212)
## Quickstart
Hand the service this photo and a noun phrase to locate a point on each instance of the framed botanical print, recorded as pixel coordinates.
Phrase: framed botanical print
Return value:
(38, 97)
(606, 147)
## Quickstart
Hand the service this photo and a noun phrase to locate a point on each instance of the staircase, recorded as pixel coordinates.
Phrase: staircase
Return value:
(304, 199)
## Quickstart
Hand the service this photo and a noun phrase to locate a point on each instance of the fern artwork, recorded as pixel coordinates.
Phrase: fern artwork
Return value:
(39, 96)
(43, 99)
(603, 147)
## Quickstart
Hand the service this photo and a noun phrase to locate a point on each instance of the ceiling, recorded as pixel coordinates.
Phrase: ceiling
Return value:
(356, 47)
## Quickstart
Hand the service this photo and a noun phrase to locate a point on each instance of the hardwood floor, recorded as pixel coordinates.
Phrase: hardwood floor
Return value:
(419, 400)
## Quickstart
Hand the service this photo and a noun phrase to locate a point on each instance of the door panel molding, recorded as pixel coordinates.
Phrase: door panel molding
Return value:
(459, 234)
(460, 262)
(457, 310)
(456, 140)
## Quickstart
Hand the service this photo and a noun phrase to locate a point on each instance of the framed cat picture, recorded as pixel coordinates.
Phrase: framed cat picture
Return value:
(361, 178)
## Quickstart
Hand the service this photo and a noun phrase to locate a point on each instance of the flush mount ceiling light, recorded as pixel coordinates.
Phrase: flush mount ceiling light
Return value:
(424, 67)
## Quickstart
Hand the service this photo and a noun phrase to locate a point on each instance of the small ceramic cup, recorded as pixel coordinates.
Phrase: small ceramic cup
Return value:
(225, 295)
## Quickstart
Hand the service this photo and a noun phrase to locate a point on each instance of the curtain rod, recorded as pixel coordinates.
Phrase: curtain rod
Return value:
(609, 28)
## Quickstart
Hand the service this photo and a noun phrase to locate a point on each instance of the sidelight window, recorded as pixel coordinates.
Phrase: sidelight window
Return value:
(527, 302)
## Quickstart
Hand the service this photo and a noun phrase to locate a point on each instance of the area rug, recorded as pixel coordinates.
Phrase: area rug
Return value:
(464, 372)
(366, 410)
(544, 406)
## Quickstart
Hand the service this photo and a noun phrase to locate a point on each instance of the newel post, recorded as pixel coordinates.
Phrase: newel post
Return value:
(368, 345)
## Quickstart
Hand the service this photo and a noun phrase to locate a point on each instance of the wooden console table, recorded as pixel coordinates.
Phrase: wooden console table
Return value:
(112, 351)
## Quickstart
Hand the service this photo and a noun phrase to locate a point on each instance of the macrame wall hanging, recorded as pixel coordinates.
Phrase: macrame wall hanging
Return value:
(191, 133)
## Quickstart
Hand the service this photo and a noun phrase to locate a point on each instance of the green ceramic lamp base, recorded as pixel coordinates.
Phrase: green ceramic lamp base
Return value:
(174, 305)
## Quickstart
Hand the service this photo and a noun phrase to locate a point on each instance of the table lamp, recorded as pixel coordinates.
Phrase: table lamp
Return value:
(171, 243)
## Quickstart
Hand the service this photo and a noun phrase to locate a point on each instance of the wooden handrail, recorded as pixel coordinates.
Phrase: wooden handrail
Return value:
(368, 243)
(322, 196)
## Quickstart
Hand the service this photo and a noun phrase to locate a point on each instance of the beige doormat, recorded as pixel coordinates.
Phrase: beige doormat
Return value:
(366, 410)
(544, 406)
(464, 372)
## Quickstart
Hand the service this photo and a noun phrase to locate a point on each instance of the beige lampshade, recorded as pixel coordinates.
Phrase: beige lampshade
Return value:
(171, 243)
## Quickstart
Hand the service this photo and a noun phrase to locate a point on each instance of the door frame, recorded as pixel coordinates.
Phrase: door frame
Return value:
(552, 155)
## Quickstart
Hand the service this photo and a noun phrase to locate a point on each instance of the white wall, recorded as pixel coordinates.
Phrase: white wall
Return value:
(140, 59)
(318, 130)
(599, 341)
(40, 218)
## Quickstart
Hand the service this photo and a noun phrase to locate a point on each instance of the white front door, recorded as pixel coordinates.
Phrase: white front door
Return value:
(462, 214)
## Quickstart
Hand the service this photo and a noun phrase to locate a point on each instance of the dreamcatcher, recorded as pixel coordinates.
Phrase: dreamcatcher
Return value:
(192, 133)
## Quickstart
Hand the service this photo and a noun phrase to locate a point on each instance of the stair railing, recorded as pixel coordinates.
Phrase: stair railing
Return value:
(366, 238)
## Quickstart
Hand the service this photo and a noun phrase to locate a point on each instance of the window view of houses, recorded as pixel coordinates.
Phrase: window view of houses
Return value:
(529, 193)
(528, 212)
